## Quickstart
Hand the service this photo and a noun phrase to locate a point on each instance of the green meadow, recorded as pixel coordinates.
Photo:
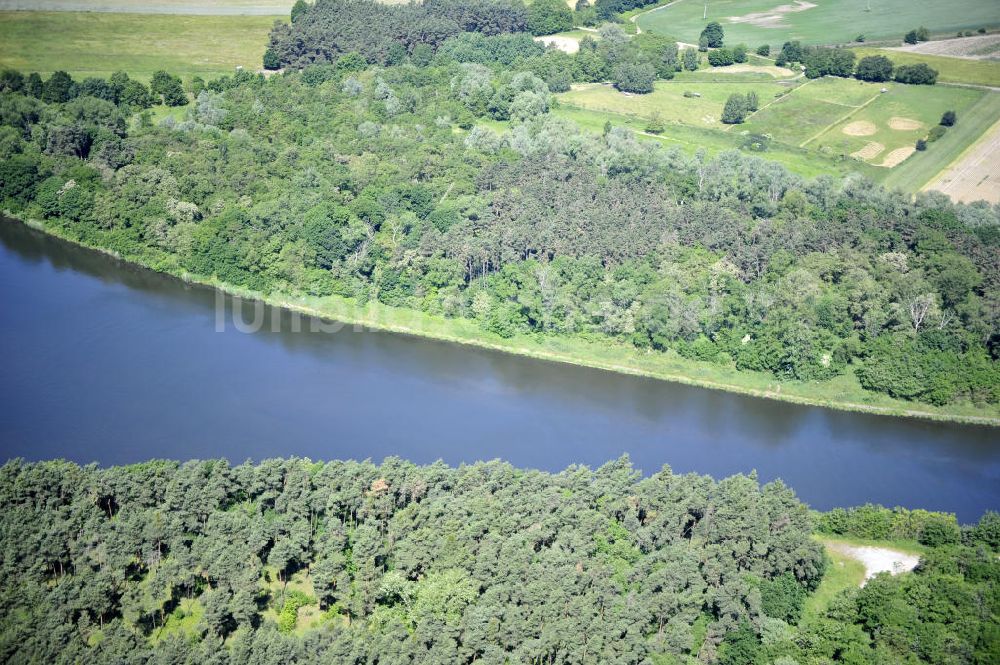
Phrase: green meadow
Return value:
(950, 70)
(818, 21)
(98, 43)
(828, 125)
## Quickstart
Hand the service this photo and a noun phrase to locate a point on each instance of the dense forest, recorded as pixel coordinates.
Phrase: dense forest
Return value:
(363, 182)
(432, 176)
(349, 562)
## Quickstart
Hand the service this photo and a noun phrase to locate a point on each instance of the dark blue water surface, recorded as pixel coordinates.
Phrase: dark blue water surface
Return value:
(110, 363)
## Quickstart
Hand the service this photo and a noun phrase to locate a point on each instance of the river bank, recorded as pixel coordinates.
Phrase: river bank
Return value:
(843, 393)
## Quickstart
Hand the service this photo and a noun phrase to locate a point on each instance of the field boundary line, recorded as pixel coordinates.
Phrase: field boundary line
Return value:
(635, 19)
(838, 121)
(773, 101)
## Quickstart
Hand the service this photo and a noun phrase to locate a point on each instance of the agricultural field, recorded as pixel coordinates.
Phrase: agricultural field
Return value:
(976, 174)
(207, 7)
(950, 69)
(96, 43)
(827, 125)
(975, 47)
(817, 21)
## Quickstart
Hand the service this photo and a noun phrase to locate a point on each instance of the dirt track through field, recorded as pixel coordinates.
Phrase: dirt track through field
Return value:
(975, 175)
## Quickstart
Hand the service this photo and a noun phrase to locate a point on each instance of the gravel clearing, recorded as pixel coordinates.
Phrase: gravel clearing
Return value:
(878, 559)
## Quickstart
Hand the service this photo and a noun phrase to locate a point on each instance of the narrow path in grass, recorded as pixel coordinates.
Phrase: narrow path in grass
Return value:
(775, 100)
(838, 121)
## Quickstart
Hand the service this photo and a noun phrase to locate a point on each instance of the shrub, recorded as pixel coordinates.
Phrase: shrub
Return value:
(690, 59)
(722, 57)
(546, 17)
(632, 76)
(783, 598)
(735, 110)
(756, 142)
(713, 35)
(919, 74)
(874, 68)
(829, 62)
(910, 37)
(752, 102)
(740, 53)
(948, 119)
(937, 131)
(271, 60)
(655, 125)
(168, 88)
(941, 530)
(764, 50)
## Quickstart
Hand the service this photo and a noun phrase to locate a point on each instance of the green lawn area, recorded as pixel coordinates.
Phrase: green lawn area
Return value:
(690, 139)
(842, 574)
(828, 21)
(950, 70)
(806, 119)
(96, 44)
(669, 101)
(922, 167)
(923, 104)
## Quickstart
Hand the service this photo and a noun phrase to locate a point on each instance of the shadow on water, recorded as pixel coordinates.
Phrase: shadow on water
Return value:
(109, 362)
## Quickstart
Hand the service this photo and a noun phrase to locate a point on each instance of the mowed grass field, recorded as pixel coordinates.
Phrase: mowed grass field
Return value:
(817, 21)
(950, 70)
(692, 123)
(828, 125)
(896, 119)
(923, 168)
(98, 43)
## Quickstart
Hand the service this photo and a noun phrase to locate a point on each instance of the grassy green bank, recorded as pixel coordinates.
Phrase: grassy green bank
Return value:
(842, 393)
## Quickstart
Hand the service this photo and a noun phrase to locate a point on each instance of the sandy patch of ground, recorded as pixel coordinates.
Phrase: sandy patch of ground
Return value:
(770, 70)
(860, 128)
(904, 124)
(565, 44)
(878, 559)
(980, 47)
(870, 151)
(774, 17)
(897, 156)
(975, 175)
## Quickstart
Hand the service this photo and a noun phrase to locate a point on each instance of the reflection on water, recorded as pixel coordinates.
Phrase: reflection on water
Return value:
(110, 363)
